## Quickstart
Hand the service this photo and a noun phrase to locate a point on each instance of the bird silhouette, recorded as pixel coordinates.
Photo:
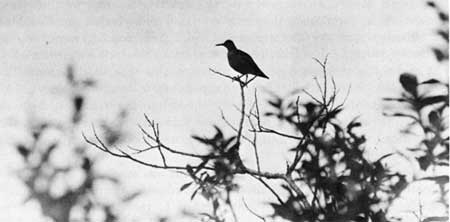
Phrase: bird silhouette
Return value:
(241, 61)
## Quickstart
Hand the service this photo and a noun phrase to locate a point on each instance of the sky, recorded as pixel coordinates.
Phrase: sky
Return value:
(153, 57)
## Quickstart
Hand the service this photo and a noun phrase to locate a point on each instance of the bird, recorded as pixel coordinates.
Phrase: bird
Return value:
(240, 61)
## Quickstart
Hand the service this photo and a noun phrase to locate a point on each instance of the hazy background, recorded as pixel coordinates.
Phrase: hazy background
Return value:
(153, 57)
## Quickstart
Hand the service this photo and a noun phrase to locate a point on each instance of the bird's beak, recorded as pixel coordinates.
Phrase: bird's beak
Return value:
(220, 44)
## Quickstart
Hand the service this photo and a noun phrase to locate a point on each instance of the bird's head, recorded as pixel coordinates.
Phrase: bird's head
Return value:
(227, 44)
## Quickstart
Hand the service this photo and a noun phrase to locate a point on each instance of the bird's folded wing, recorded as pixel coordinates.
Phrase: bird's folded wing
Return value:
(247, 59)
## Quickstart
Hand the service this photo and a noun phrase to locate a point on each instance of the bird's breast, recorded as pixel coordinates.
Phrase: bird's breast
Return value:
(238, 63)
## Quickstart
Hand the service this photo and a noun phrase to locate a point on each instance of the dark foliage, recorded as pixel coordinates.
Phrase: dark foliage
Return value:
(344, 185)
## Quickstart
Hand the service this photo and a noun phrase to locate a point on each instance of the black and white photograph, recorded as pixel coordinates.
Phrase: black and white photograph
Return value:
(224, 111)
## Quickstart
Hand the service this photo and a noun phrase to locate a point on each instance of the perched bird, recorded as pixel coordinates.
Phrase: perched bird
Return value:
(241, 61)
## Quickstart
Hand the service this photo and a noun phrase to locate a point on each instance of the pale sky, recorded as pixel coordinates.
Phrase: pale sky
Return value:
(153, 57)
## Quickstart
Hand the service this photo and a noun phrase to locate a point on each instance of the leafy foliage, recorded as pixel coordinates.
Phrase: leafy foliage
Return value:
(429, 116)
(427, 105)
(41, 174)
(221, 179)
(344, 185)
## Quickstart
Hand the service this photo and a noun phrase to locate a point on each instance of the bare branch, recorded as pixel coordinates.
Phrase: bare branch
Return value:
(226, 76)
(312, 97)
(122, 154)
(267, 130)
(234, 128)
(156, 139)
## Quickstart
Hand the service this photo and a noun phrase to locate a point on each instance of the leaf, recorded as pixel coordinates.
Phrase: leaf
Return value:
(190, 170)
(185, 186)
(384, 156)
(201, 139)
(228, 141)
(131, 196)
(432, 100)
(438, 179)
(215, 205)
(409, 83)
(78, 102)
(70, 75)
(108, 178)
(431, 81)
(442, 164)
(194, 193)
(89, 82)
(353, 124)
(23, 150)
(434, 119)
(440, 55)
(213, 141)
(443, 34)
(379, 216)
(431, 219)
(431, 4)
(443, 155)
(86, 165)
(401, 115)
(219, 134)
(443, 16)
(398, 187)
(415, 149)
(424, 162)
(270, 114)
(329, 116)
(395, 99)
(276, 103)
(310, 107)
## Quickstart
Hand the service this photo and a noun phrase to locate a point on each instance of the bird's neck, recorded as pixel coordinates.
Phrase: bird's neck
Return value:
(231, 48)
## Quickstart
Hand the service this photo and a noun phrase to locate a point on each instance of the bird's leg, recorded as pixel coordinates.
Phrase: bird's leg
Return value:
(237, 78)
(248, 81)
(245, 82)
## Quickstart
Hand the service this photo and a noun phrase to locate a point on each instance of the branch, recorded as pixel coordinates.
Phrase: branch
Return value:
(156, 139)
(297, 190)
(242, 86)
(241, 122)
(233, 78)
(99, 144)
(270, 189)
(263, 129)
(252, 212)
(234, 128)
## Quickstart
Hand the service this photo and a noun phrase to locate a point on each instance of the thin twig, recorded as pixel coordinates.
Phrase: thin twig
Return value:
(233, 212)
(253, 212)
(269, 188)
(297, 190)
(267, 130)
(159, 143)
(122, 154)
(234, 128)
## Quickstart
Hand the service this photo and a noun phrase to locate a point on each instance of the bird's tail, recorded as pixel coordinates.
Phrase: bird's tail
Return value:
(261, 74)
